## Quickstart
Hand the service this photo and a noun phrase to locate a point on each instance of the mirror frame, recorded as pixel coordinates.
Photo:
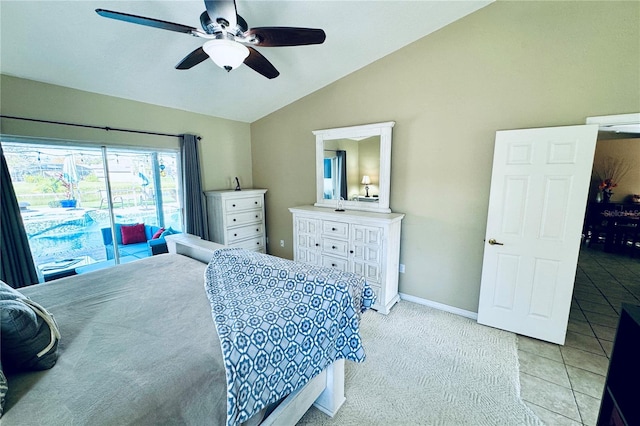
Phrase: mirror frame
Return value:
(384, 184)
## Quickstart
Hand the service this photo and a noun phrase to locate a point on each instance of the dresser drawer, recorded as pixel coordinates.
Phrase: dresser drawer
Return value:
(254, 244)
(336, 263)
(335, 247)
(371, 271)
(304, 225)
(371, 254)
(243, 204)
(312, 257)
(241, 218)
(307, 241)
(335, 229)
(249, 231)
(366, 234)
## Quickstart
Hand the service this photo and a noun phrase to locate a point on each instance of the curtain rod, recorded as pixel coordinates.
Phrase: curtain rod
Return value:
(88, 126)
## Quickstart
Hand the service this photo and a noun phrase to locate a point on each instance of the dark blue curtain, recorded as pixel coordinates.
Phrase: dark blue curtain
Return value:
(16, 261)
(195, 217)
(342, 170)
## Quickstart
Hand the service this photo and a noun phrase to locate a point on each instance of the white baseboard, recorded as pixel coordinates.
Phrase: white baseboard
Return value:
(440, 306)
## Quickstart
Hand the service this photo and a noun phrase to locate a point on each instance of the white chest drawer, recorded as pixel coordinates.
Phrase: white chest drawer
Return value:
(244, 203)
(249, 231)
(335, 229)
(253, 244)
(241, 218)
(335, 247)
(336, 263)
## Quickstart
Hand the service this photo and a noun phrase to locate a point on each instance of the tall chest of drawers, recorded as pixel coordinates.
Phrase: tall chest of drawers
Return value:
(365, 243)
(236, 218)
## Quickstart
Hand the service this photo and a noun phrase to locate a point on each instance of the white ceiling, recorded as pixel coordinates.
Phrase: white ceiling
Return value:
(66, 43)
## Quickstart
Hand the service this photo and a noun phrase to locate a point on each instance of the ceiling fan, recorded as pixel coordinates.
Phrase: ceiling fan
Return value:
(230, 40)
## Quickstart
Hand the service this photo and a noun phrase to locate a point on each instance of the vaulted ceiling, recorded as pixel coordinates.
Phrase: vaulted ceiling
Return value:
(66, 43)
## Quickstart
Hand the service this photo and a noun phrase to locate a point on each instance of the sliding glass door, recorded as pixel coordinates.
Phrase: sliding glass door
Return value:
(63, 192)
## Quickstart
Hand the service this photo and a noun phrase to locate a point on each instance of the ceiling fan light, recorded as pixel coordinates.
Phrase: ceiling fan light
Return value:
(225, 53)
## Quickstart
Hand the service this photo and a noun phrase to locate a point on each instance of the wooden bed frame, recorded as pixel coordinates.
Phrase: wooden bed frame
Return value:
(325, 391)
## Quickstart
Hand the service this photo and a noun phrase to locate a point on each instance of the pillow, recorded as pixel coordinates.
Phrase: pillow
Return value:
(157, 234)
(168, 231)
(29, 334)
(132, 234)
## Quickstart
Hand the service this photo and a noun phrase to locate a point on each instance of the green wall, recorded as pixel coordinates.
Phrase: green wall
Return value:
(225, 147)
(510, 65)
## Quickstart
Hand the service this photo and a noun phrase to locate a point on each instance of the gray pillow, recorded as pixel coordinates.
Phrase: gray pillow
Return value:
(28, 335)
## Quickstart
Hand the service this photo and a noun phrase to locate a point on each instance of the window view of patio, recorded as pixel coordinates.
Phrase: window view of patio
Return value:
(68, 217)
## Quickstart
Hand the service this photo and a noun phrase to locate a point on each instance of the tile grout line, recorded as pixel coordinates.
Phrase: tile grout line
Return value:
(596, 278)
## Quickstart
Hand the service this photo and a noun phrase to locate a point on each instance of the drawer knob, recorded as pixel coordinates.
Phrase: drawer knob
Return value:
(334, 265)
(317, 245)
(333, 247)
(235, 235)
(351, 251)
(234, 220)
(257, 230)
(256, 202)
(234, 205)
(333, 229)
(256, 216)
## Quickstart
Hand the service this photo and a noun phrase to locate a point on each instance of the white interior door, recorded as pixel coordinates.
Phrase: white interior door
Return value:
(539, 189)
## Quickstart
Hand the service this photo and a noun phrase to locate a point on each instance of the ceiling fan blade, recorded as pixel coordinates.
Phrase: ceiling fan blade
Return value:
(286, 36)
(222, 10)
(260, 64)
(149, 22)
(192, 59)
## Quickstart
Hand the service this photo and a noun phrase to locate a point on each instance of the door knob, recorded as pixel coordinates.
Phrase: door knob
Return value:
(493, 242)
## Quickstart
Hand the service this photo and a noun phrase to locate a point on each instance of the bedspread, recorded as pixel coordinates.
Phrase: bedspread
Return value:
(280, 323)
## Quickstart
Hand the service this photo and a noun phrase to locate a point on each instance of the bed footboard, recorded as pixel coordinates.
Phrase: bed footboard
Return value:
(325, 392)
(192, 246)
(332, 397)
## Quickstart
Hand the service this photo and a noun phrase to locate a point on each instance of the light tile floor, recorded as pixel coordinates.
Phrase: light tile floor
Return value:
(563, 384)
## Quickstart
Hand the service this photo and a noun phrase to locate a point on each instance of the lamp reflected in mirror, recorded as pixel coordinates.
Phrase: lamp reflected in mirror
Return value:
(366, 181)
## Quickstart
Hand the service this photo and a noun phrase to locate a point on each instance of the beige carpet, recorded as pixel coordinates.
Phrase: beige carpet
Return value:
(429, 367)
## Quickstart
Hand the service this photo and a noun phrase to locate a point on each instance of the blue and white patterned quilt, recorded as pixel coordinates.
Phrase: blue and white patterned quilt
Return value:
(280, 324)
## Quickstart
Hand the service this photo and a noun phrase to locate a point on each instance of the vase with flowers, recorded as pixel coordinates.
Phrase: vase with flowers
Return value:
(608, 174)
(606, 187)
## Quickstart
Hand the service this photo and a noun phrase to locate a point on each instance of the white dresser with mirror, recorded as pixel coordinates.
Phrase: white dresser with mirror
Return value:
(346, 229)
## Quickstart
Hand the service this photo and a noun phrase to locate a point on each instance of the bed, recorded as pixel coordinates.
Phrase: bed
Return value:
(139, 346)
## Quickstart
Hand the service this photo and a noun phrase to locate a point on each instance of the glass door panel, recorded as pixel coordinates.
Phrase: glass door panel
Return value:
(57, 189)
(171, 189)
(62, 193)
(145, 188)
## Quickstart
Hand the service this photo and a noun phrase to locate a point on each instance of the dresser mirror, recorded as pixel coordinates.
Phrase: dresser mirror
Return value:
(353, 167)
